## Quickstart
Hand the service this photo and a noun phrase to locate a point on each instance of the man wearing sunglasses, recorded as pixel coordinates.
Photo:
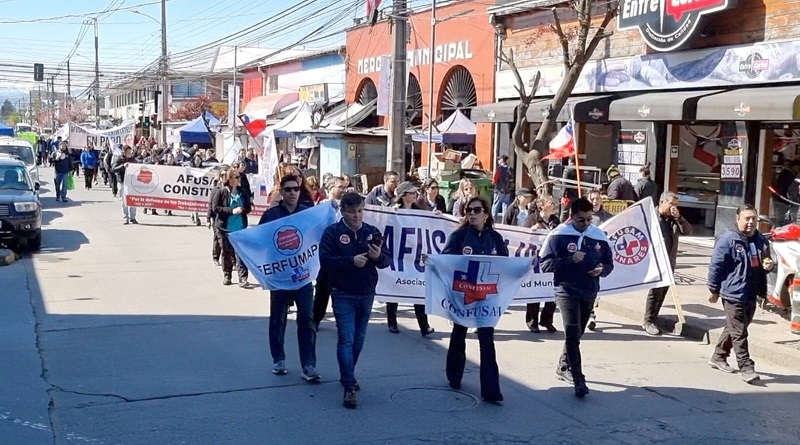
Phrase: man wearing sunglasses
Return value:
(578, 254)
(280, 300)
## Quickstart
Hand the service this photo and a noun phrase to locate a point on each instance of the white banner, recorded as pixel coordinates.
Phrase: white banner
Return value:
(473, 291)
(284, 254)
(170, 187)
(79, 135)
(640, 259)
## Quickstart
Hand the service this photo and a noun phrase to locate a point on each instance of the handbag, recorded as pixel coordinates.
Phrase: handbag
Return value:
(70, 182)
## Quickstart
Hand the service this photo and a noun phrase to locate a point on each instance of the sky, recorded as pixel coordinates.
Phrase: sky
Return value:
(45, 31)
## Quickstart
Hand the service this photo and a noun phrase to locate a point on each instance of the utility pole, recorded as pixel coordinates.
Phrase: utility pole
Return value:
(431, 65)
(235, 89)
(52, 101)
(69, 81)
(396, 149)
(96, 75)
(163, 68)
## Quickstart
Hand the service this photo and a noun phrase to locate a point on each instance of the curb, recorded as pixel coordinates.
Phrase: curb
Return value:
(7, 257)
(694, 330)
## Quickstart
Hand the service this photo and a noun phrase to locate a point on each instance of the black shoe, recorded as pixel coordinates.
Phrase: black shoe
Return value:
(394, 329)
(454, 384)
(133, 221)
(564, 374)
(126, 222)
(244, 284)
(533, 328)
(356, 387)
(550, 328)
(581, 390)
(145, 211)
(494, 398)
(428, 331)
(169, 212)
(350, 401)
(226, 281)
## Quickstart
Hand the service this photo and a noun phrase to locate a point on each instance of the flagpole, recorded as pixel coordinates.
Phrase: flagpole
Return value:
(577, 161)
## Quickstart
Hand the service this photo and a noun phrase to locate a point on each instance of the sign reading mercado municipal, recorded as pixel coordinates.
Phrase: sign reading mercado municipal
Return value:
(665, 25)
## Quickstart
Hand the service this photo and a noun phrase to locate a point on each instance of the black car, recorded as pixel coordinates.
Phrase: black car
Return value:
(20, 210)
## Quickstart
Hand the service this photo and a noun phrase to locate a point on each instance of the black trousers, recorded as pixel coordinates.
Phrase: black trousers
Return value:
(114, 184)
(532, 314)
(575, 313)
(419, 312)
(88, 177)
(655, 298)
(738, 316)
(457, 359)
(322, 296)
(229, 257)
(216, 247)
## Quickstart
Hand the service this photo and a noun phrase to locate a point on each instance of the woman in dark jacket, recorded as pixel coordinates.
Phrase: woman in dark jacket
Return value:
(230, 211)
(429, 197)
(476, 236)
(406, 196)
(547, 220)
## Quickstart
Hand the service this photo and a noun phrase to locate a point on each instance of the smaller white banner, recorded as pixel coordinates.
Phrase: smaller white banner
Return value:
(79, 135)
(472, 291)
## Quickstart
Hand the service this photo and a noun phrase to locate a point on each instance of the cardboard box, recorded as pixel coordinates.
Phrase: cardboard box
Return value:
(444, 165)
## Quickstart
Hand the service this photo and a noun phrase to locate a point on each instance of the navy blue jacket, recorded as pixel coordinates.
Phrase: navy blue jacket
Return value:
(572, 279)
(337, 248)
(279, 211)
(469, 241)
(63, 165)
(730, 273)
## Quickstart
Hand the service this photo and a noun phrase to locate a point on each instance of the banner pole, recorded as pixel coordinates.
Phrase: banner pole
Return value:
(577, 161)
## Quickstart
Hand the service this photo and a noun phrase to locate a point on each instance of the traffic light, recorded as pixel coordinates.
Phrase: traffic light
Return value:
(147, 122)
(139, 124)
(154, 121)
(141, 106)
(38, 72)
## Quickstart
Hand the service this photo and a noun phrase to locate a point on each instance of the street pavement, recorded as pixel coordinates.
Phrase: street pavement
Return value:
(124, 335)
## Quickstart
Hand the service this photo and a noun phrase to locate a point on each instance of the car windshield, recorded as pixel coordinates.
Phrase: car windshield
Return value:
(13, 178)
(25, 154)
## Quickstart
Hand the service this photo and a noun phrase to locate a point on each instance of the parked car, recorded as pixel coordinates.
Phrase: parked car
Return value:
(20, 210)
(24, 151)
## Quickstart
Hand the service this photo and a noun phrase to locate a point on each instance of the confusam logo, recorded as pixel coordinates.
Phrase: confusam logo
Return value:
(630, 245)
(476, 283)
(288, 240)
(144, 181)
(666, 25)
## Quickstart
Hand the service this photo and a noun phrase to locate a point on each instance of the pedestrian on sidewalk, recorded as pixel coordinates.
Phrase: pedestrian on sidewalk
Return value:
(230, 209)
(280, 299)
(738, 274)
(352, 251)
(475, 236)
(673, 225)
(121, 164)
(578, 254)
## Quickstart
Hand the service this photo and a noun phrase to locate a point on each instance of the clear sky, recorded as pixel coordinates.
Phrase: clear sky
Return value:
(46, 31)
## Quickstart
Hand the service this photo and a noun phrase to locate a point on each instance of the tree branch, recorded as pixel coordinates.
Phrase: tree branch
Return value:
(520, 86)
(562, 38)
(601, 32)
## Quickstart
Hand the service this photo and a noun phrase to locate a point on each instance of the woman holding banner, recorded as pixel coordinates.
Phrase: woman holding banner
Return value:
(476, 236)
(406, 197)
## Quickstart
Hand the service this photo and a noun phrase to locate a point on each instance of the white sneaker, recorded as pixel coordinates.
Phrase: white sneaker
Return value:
(311, 375)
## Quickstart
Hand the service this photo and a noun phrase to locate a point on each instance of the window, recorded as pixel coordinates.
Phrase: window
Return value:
(189, 89)
(224, 89)
(272, 84)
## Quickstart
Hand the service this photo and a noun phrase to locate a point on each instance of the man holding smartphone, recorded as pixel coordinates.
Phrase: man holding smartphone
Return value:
(578, 254)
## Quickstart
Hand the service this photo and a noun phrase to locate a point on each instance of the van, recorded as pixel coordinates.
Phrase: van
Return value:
(22, 150)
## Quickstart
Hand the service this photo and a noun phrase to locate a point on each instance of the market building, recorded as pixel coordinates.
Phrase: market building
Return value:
(462, 58)
(704, 92)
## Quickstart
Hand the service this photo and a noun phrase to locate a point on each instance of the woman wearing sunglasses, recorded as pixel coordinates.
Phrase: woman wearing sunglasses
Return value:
(476, 236)
(230, 215)
(406, 197)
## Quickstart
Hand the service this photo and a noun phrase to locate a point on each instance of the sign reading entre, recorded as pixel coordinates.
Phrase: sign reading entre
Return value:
(666, 25)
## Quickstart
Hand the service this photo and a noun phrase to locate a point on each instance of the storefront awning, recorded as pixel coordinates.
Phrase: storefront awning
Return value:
(666, 106)
(263, 107)
(495, 112)
(582, 109)
(751, 104)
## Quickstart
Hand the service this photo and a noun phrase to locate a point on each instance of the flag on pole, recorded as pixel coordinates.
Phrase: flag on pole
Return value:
(255, 126)
(563, 145)
(233, 153)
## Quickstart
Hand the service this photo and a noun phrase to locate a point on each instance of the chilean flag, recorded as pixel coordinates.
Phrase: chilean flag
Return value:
(254, 127)
(563, 145)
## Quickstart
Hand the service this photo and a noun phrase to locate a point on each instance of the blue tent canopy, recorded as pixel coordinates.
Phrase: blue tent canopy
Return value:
(195, 132)
(6, 131)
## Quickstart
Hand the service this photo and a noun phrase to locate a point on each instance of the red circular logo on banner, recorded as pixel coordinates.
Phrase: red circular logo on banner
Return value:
(630, 245)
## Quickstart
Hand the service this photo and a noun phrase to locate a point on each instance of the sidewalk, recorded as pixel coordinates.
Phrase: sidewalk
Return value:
(770, 338)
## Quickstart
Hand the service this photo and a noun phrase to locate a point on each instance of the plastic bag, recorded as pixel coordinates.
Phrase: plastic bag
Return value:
(70, 182)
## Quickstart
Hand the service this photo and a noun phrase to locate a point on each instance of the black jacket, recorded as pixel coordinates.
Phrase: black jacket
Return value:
(378, 197)
(220, 202)
(63, 165)
(621, 188)
(279, 211)
(572, 279)
(469, 241)
(119, 167)
(244, 188)
(336, 251)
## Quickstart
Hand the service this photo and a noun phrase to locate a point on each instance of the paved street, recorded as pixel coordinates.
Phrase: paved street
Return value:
(124, 335)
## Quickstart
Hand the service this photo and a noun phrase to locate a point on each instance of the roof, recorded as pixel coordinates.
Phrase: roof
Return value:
(5, 140)
(509, 7)
(8, 160)
(281, 57)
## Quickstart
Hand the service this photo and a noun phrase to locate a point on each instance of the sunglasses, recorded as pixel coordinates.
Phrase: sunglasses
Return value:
(291, 189)
(474, 210)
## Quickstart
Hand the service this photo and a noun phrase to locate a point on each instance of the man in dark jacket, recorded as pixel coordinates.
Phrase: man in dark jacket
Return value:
(646, 186)
(673, 225)
(738, 274)
(383, 195)
(619, 187)
(62, 162)
(281, 299)
(352, 251)
(122, 163)
(578, 254)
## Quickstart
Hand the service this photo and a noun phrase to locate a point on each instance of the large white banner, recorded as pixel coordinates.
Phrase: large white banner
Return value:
(473, 291)
(123, 134)
(170, 187)
(640, 259)
(284, 254)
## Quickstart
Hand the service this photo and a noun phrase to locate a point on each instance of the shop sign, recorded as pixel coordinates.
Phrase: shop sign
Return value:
(644, 111)
(631, 153)
(596, 114)
(732, 161)
(313, 93)
(754, 65)
(444, 53)
(666, 25)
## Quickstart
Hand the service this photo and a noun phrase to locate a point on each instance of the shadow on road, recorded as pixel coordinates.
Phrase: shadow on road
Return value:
(61, 240)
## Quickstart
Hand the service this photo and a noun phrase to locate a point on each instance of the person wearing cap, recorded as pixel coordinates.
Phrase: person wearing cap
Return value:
(619, 187)
(406, 199)
(502, 180)
(522, 212)
(429, 197)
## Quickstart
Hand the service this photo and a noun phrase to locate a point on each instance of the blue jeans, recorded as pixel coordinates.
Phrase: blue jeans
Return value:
(498, 200)
(306, 335)
(352, 314)
(60, 183)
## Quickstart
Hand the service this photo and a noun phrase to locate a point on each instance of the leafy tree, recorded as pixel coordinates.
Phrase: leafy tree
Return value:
(6, 109)
(192, 108)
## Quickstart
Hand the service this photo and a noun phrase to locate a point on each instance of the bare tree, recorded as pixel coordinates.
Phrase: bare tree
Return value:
(578, 43)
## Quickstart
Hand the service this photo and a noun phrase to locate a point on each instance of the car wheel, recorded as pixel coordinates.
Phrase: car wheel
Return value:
(35, 243)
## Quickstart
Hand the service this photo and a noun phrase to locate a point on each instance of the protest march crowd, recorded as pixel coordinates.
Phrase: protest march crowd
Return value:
(319, 245)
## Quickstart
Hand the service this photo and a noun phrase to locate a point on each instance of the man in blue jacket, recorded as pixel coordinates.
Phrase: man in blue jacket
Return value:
(578, 254)
(738, 274)
(281, 299)
(352, 252)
